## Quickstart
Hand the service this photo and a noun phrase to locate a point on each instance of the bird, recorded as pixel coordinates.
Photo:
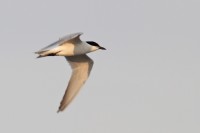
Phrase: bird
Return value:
(74, 50)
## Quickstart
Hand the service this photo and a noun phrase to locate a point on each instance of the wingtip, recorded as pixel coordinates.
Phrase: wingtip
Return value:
(39, 56)
(58, 111)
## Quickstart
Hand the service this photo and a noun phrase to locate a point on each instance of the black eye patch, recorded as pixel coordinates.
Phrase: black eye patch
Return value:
(93, 43)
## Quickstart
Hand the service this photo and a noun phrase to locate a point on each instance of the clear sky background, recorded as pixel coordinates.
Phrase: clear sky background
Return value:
(146, 82)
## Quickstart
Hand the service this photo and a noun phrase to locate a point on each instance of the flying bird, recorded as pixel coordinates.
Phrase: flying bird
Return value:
(74, 50)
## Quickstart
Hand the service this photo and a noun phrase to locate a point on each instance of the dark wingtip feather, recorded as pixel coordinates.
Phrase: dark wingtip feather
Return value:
(58, 111)
(39, 56)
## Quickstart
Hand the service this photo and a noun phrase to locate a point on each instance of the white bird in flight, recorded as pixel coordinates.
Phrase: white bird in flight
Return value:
(74, 50)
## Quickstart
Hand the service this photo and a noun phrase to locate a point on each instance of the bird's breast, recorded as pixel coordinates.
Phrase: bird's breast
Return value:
(70, 49)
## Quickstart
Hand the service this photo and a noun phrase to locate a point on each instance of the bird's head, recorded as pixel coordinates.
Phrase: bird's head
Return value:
(95, 45)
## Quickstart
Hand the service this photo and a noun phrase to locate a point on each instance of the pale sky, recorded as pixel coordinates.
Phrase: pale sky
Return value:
(146, 82)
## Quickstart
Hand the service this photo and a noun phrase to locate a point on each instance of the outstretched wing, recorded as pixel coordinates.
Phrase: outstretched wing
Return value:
(61, 41)
(81, 66)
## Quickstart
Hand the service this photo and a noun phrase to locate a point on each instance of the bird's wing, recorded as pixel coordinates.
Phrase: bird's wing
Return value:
(81, 66)
(61, 41)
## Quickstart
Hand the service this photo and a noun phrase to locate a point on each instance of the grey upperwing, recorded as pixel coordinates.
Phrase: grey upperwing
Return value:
(61, 41)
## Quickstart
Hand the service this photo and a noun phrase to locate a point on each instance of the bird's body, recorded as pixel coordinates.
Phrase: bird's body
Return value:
(71, 47)
(74, 51)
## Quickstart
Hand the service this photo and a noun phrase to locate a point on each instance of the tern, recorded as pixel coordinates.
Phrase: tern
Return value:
(74, 50)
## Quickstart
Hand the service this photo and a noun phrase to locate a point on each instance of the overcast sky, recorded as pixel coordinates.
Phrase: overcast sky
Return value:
(146, 82)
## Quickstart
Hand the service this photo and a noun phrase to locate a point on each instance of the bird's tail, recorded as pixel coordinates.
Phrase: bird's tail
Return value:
(42, 53)
(40, 56)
